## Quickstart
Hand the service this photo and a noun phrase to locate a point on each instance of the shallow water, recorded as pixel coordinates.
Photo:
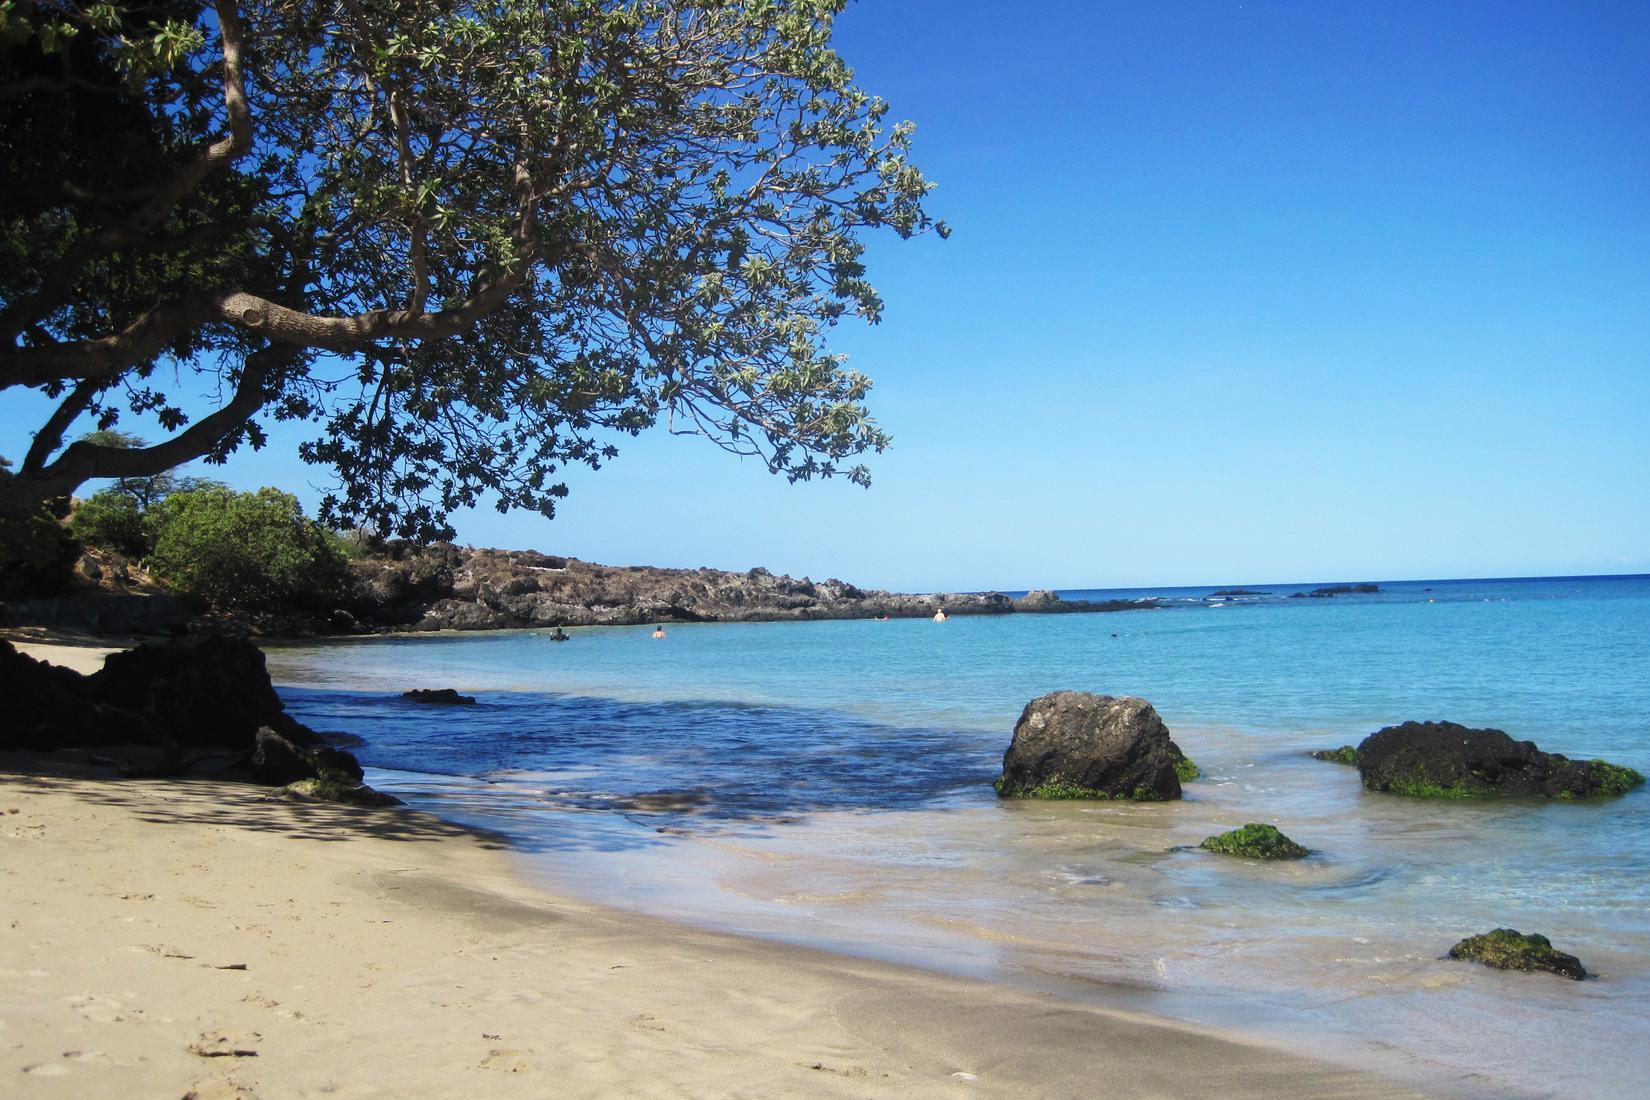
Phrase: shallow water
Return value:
(828, 783)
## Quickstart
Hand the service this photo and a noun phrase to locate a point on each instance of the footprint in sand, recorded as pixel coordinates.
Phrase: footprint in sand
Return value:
(506, 1061)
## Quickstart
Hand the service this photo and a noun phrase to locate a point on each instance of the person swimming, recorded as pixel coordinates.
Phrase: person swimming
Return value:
(658, 631)
(940, 616)
(559, 635)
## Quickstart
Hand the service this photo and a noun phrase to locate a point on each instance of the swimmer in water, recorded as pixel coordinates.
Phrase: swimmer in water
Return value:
(940, 616)
(658, 632)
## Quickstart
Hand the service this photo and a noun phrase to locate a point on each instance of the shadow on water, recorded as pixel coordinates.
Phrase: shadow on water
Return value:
(664, 764)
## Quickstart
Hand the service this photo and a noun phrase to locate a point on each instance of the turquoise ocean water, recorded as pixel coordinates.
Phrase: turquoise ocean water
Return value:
(829, 783)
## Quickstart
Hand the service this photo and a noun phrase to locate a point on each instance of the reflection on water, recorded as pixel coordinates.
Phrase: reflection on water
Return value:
(829, 784)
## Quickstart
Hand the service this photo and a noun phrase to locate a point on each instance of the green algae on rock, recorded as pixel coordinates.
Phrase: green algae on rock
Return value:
(1255, 841)
(1449, 760)
(1346, 754)
(1508, 949)
(334, 788)
(1185, 769)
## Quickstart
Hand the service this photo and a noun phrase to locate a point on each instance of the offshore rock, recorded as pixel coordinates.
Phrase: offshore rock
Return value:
(438, 697)
(1448, 760)
(1508, 949)
(1346, 754)
(1074, 744)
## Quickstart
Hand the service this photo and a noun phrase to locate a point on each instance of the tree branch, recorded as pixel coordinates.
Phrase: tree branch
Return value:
(82, 461)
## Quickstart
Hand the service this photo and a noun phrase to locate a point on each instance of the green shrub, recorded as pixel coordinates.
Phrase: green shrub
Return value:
(112, 520)
(247, 551)
(37, 557)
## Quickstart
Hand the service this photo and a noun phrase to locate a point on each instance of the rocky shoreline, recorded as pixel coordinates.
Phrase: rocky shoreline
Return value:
(408, 588)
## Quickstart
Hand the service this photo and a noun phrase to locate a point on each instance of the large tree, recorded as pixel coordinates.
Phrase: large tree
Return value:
(471, 240)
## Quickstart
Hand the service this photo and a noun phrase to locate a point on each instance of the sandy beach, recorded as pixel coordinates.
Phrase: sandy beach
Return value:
(187, 938)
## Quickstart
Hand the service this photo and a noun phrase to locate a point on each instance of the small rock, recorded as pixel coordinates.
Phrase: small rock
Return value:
(1073, 744)
(1508, 949)
(333, 790)
(439, 697)
(1255, 841)
(1346, 754)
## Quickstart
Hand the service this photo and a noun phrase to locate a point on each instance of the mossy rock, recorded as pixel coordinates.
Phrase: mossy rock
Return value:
(1508, 949)
(1070, 791)
(1186, 771)
(1255, 841)
(335, 788)
(1449, 760)
(1346, 754)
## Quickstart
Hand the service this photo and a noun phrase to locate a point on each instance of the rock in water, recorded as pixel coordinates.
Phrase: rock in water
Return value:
(1074, 744)
(1446, 760)
(439, 697)
(1255, 841)
(1346, 754)
(1507, 949)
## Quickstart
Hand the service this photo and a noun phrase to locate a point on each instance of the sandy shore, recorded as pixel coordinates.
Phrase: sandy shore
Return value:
(173, 938)
(83, 653)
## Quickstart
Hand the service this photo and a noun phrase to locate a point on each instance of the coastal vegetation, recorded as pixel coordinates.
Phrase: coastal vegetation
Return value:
(523, 230)
(1255, 841)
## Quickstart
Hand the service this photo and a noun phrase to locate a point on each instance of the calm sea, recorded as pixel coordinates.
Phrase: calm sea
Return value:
(829, 783)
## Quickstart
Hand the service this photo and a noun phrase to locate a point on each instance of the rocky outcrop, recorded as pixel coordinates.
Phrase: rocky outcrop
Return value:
(1255, 841)
(1336, 590)
(1447, 760)
(1508, 949)
(1346, 754)
(1073, 744)
(1041, 601)
(444, 587)
(202, 706)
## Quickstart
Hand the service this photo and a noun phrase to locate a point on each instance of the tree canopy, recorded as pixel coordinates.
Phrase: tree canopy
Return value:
(473, 242)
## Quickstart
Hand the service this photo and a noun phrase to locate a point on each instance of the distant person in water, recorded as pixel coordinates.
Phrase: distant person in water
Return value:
(940, 616)
(658, 632)
(559, 635)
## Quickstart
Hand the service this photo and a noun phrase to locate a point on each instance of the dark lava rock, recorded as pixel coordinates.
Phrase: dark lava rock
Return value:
(333, 790)
(1447, 760)
(1507, 949)
(1040, 601)
(1240, 592)
(1255, 841)
(1346, 754)
(50, 707)
(201, 706)
(439, 697)
(211, 691)
(1074, 744)
(277, 762)
(1336, 590)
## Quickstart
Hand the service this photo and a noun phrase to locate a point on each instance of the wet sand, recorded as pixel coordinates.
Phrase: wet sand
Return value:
(172, 938)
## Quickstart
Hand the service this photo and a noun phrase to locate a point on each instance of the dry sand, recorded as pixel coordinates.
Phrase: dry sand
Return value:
(173, 938)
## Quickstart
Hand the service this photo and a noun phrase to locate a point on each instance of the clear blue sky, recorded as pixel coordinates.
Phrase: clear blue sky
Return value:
(1239, 292)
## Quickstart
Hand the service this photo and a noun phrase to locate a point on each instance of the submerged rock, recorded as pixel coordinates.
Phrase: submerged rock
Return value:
(1346, 754)
(439, 697)
(1255, 841)
(1447, 760)
(1074, 744)
(1508, 949)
